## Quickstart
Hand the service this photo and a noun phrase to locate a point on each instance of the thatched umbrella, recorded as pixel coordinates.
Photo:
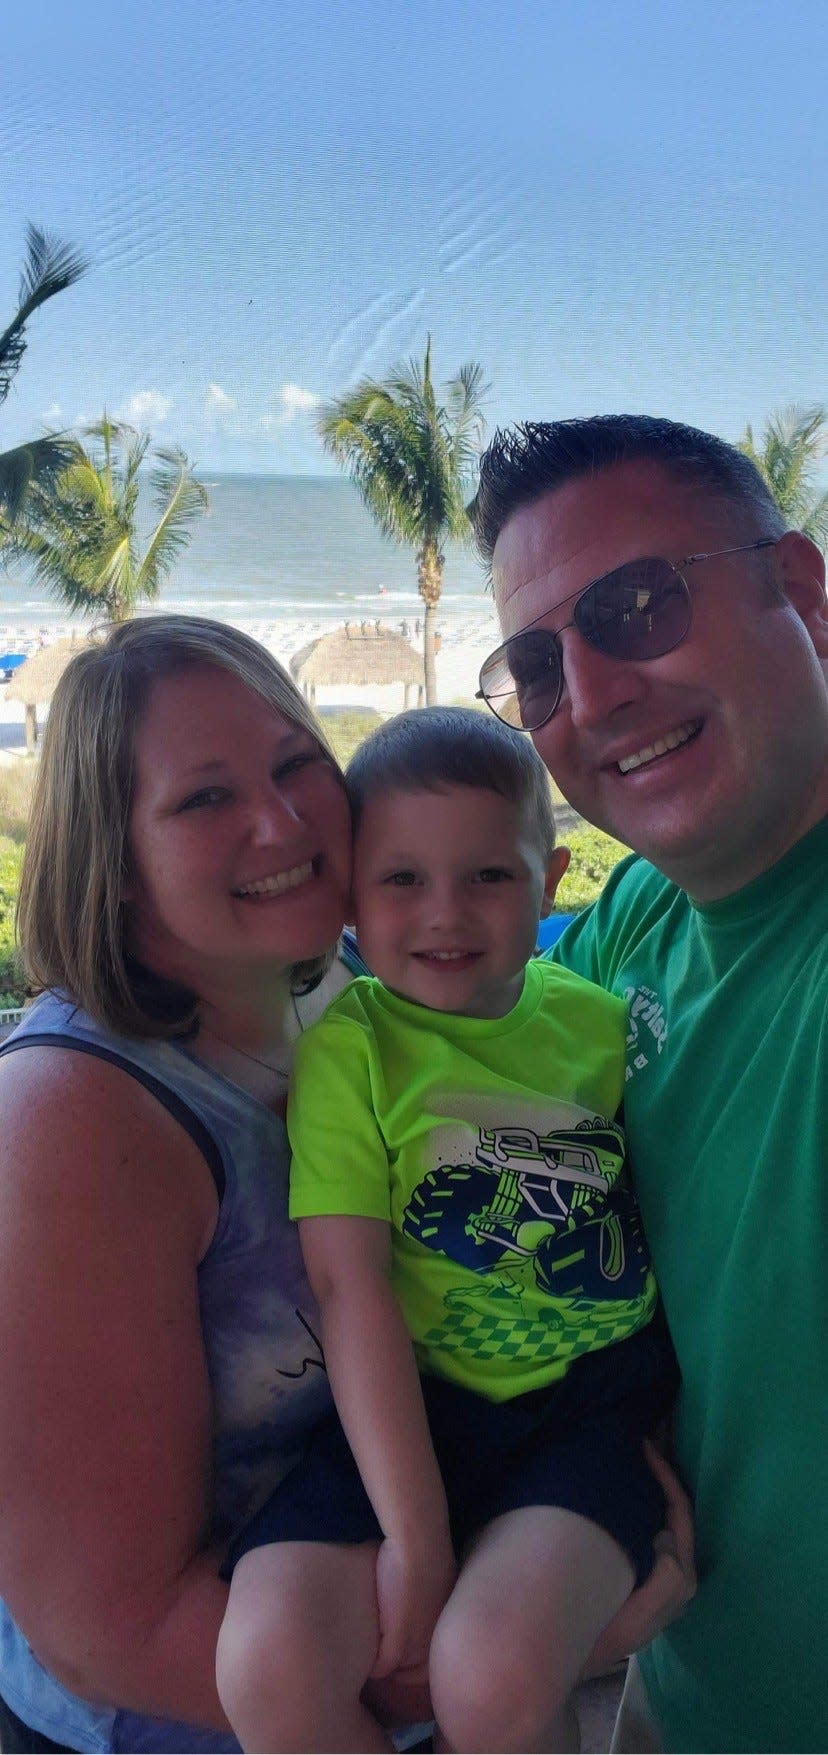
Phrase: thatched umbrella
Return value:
(364, 655)
(34, 682)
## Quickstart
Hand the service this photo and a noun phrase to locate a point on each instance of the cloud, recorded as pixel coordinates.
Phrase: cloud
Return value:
(217, 401)
(147, 408)
(295, 401)
(52, 413)
(292, 400)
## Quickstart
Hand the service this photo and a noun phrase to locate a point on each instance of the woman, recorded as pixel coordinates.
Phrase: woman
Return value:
(186, 876)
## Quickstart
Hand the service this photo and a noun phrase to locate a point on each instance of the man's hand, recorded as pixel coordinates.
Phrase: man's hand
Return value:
(413, 1584)
(670, 1586)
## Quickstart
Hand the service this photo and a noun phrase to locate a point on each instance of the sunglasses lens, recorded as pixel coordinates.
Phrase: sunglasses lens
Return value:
(639, 611)
(642, 610)
(521, 682)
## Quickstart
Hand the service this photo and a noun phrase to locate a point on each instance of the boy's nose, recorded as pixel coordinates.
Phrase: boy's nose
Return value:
(448, 907)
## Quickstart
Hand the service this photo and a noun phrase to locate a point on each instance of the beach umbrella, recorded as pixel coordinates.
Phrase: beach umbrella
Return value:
(34, 682)
(362, 655)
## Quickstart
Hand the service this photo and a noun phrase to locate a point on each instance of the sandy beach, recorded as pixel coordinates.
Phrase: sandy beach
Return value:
(464, 643)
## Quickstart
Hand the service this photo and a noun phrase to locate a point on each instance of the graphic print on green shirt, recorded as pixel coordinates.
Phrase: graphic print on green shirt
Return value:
(486, 1144)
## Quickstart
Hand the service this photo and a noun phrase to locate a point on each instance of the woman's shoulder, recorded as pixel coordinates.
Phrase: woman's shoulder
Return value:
(64, 1070)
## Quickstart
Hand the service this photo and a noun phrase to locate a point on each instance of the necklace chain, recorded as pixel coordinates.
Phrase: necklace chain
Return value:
(283, 1071)
(245, 1052)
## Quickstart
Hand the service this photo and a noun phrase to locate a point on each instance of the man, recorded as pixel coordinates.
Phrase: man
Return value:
(667, 645)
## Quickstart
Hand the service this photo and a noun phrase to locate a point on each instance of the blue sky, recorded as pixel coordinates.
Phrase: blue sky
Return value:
(609, 203)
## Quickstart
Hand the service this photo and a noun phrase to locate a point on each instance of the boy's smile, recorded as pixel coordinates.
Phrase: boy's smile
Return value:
(449, 886)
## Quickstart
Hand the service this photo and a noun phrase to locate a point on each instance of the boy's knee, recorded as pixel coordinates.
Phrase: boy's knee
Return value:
(487, 1692)
(268, 1644)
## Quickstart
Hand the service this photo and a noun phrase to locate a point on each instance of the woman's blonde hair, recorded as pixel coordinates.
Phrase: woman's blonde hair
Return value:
(71, 916)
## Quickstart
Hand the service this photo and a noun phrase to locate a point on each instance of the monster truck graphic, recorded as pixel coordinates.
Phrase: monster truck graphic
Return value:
(548, 1202)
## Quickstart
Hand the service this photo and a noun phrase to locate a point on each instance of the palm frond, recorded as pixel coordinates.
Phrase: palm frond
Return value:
(38, 463)
(410, 453)
(49, 268)
(465, 397)
(180, 498)
(815, 523)
(79, 535)
(788, 457)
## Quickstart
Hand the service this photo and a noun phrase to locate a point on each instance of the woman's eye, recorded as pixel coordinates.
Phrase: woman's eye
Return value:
(493, 874)
(200, 800)
(294, 764)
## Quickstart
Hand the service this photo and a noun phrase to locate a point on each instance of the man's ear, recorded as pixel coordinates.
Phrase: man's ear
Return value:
(556, 868)
(803, 582)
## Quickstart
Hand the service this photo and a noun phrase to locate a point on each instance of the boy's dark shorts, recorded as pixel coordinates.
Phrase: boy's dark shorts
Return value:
(576, 1444)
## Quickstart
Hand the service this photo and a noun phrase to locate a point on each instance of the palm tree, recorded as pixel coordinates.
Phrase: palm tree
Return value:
(792, 447)
(411, 458)
(50, 266)
(81, 534)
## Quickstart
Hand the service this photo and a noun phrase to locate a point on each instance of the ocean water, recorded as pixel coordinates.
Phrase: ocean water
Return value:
(283, 553)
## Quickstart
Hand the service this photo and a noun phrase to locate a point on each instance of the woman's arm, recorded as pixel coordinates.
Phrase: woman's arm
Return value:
(106, 1208)
(376, 1385)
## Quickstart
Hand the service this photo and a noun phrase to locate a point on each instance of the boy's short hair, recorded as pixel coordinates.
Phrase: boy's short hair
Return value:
(431, 748)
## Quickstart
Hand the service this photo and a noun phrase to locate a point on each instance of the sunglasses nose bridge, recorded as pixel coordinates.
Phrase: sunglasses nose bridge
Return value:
(594, 680)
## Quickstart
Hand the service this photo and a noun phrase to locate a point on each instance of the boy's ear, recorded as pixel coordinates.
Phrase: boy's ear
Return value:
(556, 868)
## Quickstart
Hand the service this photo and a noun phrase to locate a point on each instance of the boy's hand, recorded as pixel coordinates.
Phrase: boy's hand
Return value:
(413, 1584)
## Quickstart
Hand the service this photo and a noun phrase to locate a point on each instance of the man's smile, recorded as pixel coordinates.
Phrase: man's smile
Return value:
(660, 746)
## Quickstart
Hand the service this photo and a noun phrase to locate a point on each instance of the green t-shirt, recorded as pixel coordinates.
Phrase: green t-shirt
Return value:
(488, 1146)
(726, 1107)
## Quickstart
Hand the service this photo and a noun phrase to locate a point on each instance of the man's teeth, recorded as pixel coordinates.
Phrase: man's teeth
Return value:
(670, 741)
(282, 880)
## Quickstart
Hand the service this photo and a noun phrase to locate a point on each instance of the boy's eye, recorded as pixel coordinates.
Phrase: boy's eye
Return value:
(493, 874)
(401, 879)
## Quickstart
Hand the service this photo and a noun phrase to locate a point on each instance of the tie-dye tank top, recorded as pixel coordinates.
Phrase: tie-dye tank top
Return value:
(260, 1337)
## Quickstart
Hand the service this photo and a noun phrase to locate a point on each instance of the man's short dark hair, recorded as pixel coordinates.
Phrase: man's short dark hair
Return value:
(523, 462)
(430, 748)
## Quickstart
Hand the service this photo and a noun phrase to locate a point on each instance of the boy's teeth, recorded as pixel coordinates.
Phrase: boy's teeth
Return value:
(282, 880)
(446, 956)
(670, 741)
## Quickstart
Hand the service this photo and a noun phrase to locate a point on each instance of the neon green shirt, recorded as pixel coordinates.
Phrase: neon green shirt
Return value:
(726, 1107)
(486, 1144)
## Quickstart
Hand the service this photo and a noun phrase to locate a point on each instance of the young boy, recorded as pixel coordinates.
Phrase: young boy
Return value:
(484, 1507)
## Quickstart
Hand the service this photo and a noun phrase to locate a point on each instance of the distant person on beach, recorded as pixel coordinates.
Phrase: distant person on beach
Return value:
(185, 881)
(667, 647)
(459, 1180)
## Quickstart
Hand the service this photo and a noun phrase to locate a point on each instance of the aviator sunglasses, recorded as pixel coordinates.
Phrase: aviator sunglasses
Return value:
(640, 610)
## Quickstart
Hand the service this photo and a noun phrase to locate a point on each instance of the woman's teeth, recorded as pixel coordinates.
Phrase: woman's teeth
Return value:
(282, 880)
(670, 741)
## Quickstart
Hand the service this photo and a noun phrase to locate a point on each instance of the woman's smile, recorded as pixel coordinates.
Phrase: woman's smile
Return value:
(277, 883)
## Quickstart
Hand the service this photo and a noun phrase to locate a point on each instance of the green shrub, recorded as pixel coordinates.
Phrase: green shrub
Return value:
(347, 727)
(12, 985)
(16, 786)
(594, 855)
